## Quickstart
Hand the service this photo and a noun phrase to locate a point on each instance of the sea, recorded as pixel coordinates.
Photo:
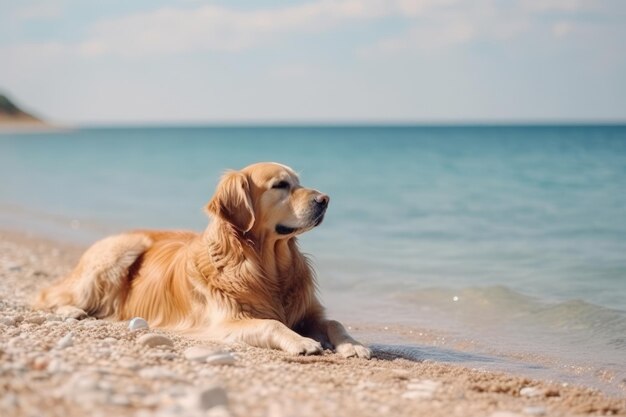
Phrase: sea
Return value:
(493, 247)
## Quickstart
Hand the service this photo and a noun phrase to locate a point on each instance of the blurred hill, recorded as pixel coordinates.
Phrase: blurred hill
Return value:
(11, 114)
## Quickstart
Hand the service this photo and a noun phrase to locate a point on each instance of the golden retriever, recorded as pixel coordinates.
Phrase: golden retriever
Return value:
(243, 279)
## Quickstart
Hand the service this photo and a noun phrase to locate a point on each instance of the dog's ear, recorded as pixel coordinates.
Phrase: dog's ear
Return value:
(232, 202)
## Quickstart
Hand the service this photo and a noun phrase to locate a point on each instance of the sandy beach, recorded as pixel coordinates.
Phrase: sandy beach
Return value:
(51, 366)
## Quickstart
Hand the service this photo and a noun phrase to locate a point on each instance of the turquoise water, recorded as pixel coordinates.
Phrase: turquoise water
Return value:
(491, 232)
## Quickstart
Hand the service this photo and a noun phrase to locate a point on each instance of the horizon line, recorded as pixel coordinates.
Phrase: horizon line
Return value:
(347, 123)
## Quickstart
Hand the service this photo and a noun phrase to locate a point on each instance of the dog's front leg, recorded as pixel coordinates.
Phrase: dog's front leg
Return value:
(344, 344)
(268, 334)
(331, 334)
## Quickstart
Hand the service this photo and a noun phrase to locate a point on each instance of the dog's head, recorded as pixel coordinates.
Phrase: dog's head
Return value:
(267, 199)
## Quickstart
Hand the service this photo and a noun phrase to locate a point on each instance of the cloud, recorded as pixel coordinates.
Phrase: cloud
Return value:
(432, 24)
(171, 30)
(216, 28)
(555, 5)
(479, 20)
(423, 37)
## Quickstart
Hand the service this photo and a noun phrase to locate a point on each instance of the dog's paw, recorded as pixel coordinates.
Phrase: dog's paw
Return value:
(304, 346)
(71, 312)
(350, 350)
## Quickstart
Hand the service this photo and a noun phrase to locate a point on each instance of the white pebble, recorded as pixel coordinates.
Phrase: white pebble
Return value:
(66, 341)
(529, 392)
(198, 353)
(206, 398)
(535, 410)
(138, 324)
(152, 340)
(157, 373)
(119, 399)
(421, 389)
(55, 366)
(225, 358)
(129, 363)
(417, 395)
(218, 411)
(424, 384)
(505, 414)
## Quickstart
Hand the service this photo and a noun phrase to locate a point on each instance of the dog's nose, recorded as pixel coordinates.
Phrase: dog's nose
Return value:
(322, 199)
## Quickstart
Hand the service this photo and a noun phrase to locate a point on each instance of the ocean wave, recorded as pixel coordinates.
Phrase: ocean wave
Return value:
(496, 307)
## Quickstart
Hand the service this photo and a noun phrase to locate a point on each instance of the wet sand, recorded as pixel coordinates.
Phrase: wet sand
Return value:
(102, 368)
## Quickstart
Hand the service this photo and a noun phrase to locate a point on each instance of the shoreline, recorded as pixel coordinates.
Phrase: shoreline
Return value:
(424, 332)
(26, 127)
(107, 371)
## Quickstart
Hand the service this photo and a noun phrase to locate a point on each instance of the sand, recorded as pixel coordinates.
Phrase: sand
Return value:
(51, 366)
(27, 125)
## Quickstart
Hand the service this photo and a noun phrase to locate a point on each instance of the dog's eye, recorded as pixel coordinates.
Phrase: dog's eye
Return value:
(281, 185)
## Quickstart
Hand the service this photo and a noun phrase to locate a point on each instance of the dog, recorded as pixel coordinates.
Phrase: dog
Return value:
(242, 280)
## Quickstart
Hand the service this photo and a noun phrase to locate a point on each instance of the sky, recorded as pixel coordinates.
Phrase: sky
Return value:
(96, 62)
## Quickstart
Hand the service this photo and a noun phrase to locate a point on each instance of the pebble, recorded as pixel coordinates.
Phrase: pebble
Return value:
(9, 400)
(206, 398)
(421, 389)
(218, 411)
(157, 373)
(530, 392)
(138, 323)
(152, 340)
(198, 353)
(14, 267)
(119, 399)
(71, 320)
(35, 320)
(8, 321)
(535, 410)
(66, 341)
(129, 364)
(40, 363)
(14, 342)
(166, 356)
(224, 358)
(505, 414)
(55, 366)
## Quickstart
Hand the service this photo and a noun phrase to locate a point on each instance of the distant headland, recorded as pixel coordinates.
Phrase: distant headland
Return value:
(14, 119)
(11, 113)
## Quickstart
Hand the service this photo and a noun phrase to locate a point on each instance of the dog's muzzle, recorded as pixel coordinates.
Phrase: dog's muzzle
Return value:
(318, 209)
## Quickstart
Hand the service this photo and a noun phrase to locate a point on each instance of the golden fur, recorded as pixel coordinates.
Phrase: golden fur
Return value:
(243, 279)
